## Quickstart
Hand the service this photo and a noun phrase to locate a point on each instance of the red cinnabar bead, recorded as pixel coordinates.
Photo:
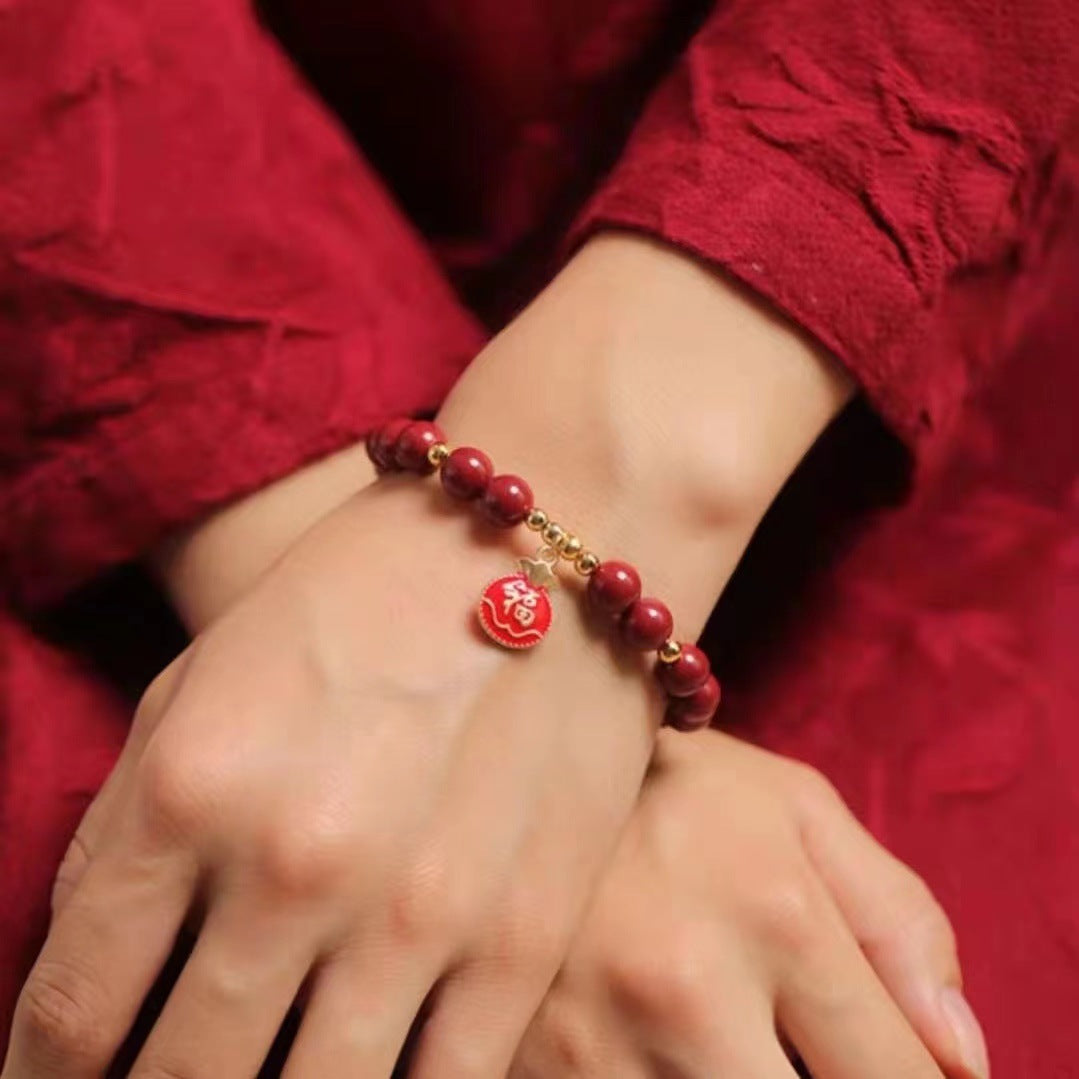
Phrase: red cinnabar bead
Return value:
(382, 444)
(506, 501)
(696, 711)
(412, 446)
(466, 473)
(686, 674)
(613, 587)
(647, 624)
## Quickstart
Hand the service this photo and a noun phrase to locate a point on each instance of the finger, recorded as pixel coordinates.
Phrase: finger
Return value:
(577, 1035)
(362, 1005)
(484, 1006)
(753, 1057)
(721, 1022)
(75, 861)
(232, 997)
(95, 822)
(901, 928)
(89, 835)
(478, 1019)
(840, 1018)
(102, 956)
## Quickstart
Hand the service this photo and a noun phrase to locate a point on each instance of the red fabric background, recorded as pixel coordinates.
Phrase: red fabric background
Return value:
(203, 284)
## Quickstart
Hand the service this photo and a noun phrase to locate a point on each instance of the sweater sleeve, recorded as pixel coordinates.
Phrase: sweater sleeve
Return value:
(202, 286)
(879, 171)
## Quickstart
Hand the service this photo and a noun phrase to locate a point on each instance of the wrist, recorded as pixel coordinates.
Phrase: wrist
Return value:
(655, 410)
(207, 566)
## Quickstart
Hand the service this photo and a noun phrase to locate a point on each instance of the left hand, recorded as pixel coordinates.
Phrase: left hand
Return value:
(746, 916)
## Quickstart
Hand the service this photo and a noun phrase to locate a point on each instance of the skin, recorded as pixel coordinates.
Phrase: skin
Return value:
(712, 952)
(347, 790)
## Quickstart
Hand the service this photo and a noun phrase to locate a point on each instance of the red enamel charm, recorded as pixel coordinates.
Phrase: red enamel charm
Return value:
(514, 612)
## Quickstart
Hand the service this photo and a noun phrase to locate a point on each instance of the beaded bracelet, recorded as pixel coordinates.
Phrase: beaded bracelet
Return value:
(515, 610)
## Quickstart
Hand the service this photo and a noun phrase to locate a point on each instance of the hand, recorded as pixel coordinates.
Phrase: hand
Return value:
(748, 915)
(356, 795)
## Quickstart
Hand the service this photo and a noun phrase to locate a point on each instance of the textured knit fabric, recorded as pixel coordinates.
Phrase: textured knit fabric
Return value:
(231, 240)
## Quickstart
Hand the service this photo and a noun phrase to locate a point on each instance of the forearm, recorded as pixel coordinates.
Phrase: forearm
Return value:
(655, 409)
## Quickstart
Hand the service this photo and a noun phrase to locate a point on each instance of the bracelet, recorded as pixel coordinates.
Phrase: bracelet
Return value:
(515, 610)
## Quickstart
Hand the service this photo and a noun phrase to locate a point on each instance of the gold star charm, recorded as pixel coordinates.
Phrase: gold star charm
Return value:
(540, 574)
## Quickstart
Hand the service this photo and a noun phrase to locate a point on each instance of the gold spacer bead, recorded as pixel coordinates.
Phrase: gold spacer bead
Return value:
(670, 652)
(438, 453)
(587, 563)
(536, 520)
(572, 547)
(555, 535)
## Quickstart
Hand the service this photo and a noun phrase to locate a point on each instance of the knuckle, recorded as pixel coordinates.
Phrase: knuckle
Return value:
(430, 905)
(812, 791)
(176, 794)
(465, 1058)
(940, 932)
(304, 858)
(74, 865)
(568, 1039)
(528, 943)
(57, 1013)
(665, 985)
(160, 1068)
(920, 914)
(789, 916)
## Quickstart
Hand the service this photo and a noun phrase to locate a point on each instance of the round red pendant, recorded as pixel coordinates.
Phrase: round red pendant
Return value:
(514, 612)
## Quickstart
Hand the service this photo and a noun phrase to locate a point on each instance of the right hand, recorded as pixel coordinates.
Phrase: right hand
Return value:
(749, 918)
(353, 798)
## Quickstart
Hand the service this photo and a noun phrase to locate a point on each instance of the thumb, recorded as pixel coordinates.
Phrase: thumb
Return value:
(901, 928)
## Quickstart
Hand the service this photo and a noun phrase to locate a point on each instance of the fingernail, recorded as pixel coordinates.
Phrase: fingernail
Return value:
(968, 1032)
